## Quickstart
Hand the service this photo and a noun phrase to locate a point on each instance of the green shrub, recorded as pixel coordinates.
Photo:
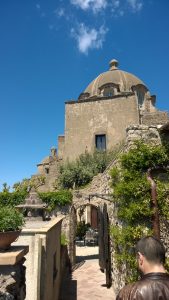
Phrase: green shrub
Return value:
(81, 229)
(64, 240)
(10, 219)
(80, 172)
(12, 198)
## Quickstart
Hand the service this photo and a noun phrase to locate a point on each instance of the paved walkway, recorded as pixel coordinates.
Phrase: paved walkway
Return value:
(86, 281)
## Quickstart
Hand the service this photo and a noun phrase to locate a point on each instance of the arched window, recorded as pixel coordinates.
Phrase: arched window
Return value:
(108, 90)
(140, 97)
(140, 92)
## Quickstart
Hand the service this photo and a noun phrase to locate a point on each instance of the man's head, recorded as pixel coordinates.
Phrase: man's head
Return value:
(151, 252)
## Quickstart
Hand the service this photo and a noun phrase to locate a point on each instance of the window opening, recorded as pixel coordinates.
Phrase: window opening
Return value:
(108, 91)
(47, 170)
(100, 142)
(140, 97)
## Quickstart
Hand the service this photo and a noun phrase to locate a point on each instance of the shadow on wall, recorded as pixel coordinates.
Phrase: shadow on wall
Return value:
(68, 288)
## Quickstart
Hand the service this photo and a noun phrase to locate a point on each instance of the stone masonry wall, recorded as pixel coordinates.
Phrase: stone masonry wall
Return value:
(85, 120)
(12, 282)
(148, 134)
(154, 118)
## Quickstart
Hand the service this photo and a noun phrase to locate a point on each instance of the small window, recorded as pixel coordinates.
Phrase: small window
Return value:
(140, 97)
(100, 141)
(47, 170)
(108, 90)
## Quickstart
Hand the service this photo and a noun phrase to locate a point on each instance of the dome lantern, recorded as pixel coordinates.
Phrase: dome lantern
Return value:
(113, 64)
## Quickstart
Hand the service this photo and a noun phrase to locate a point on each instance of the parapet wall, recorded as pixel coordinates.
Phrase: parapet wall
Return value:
(43, 260)
(154, 118)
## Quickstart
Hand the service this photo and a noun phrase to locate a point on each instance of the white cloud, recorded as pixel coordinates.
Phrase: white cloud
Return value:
(116, 3)
(136, 5)
(116, 6)
(88, 38)
(43, 15)
(121, 13)
(94, 5)
(38, 6)
(60, 12)
(51, 27)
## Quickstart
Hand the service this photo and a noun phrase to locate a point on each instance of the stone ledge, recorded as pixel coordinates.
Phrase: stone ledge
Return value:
(13, 255)
(41, 227)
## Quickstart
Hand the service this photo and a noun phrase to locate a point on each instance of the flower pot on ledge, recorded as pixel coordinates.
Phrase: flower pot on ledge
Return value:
(11, 222)
(7, 238)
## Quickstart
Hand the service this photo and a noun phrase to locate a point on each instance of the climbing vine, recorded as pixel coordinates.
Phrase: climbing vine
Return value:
(133, 201)
(59, 198)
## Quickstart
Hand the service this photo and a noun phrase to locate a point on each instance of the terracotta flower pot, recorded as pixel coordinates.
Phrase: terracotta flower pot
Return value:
(7, 238)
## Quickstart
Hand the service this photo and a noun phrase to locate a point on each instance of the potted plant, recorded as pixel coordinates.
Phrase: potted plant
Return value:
(11, 222)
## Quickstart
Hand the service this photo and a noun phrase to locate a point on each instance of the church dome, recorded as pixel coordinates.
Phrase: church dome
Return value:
(118, 80)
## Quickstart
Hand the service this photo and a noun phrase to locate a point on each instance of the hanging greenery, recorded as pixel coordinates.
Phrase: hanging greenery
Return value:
(59, 198)
(133, 201)
(12, 198)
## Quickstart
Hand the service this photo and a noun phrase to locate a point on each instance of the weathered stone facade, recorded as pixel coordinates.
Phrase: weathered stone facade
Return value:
(48, 171)
(86, 119)
(99, 118)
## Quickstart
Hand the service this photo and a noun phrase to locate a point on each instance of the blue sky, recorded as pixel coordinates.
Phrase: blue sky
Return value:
(51, 50)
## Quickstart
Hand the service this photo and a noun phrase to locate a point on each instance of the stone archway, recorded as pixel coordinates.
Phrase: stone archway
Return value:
(91, 217)
(96, 214)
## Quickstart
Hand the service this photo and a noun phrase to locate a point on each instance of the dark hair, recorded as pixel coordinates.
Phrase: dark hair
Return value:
(152, 248)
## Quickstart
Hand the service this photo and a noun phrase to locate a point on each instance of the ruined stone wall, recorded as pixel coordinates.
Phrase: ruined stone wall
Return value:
(50, 183)
(12, 282)
(61, 146)
(85, 120)
(148, 134)
(12, 273)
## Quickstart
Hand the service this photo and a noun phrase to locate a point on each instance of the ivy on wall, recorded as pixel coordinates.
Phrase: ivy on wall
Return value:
(133, 201)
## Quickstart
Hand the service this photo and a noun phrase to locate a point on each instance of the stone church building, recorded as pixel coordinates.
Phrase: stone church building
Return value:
(99, 117)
